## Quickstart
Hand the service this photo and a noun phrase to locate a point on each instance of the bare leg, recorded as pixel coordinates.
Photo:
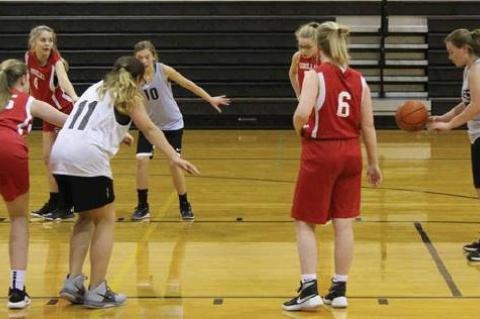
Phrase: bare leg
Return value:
(79, 243)
(48, 140)
(307, 247)
(142, 172)
(102, 242)
(18, 245)
(343, 245)
(178, 179)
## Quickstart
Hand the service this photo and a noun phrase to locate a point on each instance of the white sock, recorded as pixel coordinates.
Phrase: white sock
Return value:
(309, 277)
(17, 279)
(340, 278)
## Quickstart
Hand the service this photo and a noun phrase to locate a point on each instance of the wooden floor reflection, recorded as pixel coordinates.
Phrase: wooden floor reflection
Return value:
(239, 259)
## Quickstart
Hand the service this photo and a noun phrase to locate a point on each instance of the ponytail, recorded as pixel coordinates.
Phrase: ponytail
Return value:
(11, 71)
(332, 39)
(121, 84)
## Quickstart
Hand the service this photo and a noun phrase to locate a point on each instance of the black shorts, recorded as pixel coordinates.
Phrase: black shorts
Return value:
(174, 138)
(475, 157)
(85, 193)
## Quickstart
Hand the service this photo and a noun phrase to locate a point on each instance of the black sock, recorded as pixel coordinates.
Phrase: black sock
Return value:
(142, 197)
(54, 198)
(183, 199)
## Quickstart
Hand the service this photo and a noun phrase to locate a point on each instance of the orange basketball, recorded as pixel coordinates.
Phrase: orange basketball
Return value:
(411, 116)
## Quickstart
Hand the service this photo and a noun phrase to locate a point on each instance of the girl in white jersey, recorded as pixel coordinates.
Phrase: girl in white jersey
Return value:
(80, 161)
(165, 113)
(463, 48)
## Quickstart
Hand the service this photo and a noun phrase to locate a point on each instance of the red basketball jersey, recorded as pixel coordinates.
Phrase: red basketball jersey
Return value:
(41, 77)
(16, 117)
(336, 114)
(305, 64)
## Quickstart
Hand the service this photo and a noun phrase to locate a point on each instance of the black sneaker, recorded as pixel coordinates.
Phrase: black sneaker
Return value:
(17, 299)
(307, 298)
(60, 214)
(336, 295)
(472, 247)
(186, 211)
(474, 256)
(141, 212)
(48, 207)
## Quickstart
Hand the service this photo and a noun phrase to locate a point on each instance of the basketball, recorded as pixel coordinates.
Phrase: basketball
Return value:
(411, 116)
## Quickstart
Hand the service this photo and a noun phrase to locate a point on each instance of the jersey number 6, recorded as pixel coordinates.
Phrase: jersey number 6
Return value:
(343, 108)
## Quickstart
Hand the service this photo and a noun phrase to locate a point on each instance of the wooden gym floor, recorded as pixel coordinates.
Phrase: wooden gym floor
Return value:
(239, 259)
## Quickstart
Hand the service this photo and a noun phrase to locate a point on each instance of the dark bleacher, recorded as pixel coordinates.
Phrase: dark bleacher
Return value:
(242, 49)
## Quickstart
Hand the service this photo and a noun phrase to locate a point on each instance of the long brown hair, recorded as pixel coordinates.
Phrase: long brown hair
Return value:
(121, 84)
(465, 37)
(10, 71)
(145, 45)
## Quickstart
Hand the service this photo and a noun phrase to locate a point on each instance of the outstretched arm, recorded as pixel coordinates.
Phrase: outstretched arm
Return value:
(215, 101)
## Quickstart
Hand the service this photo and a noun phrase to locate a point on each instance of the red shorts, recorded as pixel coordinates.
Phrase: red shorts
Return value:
(14, 176)
(64, 106)
(329, 181)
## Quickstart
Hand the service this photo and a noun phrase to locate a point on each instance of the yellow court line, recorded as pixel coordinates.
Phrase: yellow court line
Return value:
(127, 265)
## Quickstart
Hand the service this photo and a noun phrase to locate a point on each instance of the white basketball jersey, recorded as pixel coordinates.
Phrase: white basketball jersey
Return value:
(90, 137)
(473, 124)
(159, 102)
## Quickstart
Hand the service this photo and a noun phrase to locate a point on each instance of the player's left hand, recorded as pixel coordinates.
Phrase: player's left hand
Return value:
(374, 175)
(218, 101)
(128, 139)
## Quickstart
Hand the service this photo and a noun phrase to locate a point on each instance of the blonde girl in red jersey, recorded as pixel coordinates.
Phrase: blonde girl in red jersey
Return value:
(307, 56)
(16, 111)
(46, 67)
(330, 122)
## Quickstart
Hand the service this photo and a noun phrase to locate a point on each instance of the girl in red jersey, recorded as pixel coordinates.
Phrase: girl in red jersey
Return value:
(46, 68)
(328, 187)
(16, 111)
(306, 58)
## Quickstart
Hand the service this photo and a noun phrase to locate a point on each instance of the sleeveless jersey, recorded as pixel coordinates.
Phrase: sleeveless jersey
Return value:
(473, 124)
(90, 137)
(336, 114)
(305, 64)
(41, 77)
(16, 117)
(159, 102)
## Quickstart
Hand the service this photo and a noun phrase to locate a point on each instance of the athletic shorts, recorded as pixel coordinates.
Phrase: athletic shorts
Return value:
(85, 193)
(475, 158)
(145, 148)
(67, 107)
(329, 181)
(14, 174)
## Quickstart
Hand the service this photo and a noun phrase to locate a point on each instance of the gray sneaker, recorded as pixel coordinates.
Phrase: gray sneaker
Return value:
(103, 297)
(73, 289)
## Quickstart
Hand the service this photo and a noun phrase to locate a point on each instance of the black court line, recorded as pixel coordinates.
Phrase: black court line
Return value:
(237, 221)
(53, 299)
(438, 261)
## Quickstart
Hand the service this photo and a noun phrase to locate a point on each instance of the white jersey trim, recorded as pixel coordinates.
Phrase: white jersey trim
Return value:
(320, 102)
(26, 124)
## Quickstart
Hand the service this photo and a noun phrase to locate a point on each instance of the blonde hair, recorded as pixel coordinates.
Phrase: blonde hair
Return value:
(332, 39)
(35, 32)
(307, 31)
(10, 71)
(145, 45)
(464, 37)
(121, 84)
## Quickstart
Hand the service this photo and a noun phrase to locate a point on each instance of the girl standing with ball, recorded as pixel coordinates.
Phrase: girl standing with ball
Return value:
(463, 48)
